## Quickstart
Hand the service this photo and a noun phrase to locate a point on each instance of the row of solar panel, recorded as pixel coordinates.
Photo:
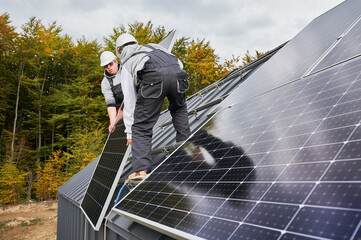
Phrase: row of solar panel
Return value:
(279, 167)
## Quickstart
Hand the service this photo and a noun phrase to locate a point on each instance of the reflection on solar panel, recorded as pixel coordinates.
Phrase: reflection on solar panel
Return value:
(105, 177)
(285, 164)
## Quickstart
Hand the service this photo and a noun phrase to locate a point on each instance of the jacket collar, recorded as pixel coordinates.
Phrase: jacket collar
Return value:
(128, 52)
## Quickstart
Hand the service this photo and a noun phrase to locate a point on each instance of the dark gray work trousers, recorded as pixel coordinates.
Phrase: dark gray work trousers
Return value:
(167, 81)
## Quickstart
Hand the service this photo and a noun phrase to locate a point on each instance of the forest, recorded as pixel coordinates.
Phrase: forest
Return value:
(53, 118)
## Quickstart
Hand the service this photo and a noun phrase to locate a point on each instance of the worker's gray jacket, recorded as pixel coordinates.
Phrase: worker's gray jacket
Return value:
(111, 89)
(136, 63)
(124, 81)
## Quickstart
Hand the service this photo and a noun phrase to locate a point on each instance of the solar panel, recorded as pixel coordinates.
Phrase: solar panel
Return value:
(283, 165)
(105, 177)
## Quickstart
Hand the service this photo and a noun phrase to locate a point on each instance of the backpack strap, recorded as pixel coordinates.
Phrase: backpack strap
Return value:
(110, 82)
(140, 52)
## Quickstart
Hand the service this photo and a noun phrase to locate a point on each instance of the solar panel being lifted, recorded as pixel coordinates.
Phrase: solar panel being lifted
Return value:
(105, 177)
(279, 160)
(260, 169)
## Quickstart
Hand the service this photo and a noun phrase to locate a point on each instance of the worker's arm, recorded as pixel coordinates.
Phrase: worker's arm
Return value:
(114, 117)
(130, 98)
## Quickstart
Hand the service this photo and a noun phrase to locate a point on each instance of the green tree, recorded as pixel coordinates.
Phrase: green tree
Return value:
(8, 45)
(45, 45)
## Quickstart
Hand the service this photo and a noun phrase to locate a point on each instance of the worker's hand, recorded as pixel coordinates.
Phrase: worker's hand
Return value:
(129, 142)
(111, 128)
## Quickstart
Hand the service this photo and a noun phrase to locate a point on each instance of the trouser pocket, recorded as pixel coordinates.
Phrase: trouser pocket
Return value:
(151, 85)
(182, 82)
(152, 90)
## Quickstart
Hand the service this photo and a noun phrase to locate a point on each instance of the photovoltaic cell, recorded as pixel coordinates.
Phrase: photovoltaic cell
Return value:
(343, 171)
(105, 177)
(344, 195)
(288, 192)
(251, 232)
(326, 222)
(260, 170)
(289, 236)
(250, 191)
(271, 215)
(234, 210)
(217, 228)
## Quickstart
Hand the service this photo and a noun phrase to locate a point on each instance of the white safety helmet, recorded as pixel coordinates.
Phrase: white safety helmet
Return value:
(122, 40)
(106, 57)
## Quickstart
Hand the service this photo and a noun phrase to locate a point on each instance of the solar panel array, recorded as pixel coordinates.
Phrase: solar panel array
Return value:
(105, 177)
(285, 164)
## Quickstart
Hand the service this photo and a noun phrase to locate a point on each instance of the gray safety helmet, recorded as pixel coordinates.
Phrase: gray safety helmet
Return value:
(122, 40)
(106, 57)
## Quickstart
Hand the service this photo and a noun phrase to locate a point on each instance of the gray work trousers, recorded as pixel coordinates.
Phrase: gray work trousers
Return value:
(150, 99)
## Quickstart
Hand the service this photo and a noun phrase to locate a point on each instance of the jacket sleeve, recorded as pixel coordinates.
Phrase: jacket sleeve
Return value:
(108, 93)
(130, 98)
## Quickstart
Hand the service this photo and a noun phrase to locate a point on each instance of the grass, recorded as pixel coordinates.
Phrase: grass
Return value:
(31, 222)
(3, 223)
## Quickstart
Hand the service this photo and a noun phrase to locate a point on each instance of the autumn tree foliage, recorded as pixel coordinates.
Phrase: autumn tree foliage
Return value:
(50, 176)
(52, 114)
(12, 182)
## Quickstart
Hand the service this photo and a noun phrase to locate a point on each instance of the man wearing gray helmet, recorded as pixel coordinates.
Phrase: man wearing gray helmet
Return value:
(118, 87)
(157, 74)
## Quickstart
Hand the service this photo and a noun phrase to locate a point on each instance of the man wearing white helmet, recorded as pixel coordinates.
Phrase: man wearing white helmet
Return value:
(158, 74)
(117, 86)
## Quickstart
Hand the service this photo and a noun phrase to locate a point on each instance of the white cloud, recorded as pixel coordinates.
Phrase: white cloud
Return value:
(231, 26)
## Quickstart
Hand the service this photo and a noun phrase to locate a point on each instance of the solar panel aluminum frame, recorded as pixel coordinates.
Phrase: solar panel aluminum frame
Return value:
(172, 232)
(97, 225)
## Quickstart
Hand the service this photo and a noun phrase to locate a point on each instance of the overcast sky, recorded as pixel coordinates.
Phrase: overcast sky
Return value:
(231, 26)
